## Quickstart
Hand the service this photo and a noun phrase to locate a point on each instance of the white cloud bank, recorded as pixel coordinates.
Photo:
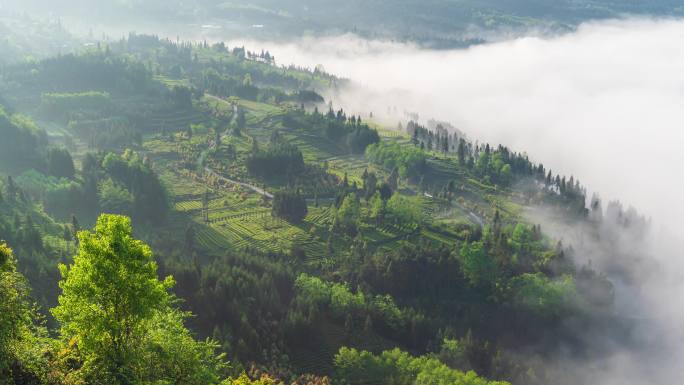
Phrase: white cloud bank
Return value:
(605, 104)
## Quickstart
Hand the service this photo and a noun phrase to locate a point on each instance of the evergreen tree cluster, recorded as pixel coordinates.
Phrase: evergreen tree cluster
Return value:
(289, 205)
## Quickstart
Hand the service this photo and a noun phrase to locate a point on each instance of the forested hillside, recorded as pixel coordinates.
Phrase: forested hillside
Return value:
(191, 213)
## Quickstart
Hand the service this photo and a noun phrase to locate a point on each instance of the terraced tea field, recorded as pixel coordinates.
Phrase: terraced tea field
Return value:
(229, 216)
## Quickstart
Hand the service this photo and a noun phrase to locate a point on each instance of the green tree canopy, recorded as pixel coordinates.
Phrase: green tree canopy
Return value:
(290, 205)
(405, 209)
(23, 338)
(114, 198)
(348, 214)
(60, 163)
(478, 267)
(399, 368)
(15, 314)
(542, 295)
(118, 313)
(108, 293)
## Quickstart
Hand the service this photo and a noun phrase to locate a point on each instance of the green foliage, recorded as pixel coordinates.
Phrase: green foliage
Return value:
(245, 380)
(150, 201)
(411, 162)
(58, 104)
(453, 353)
(395, 367)
(394, 271)
(22, 142)
(289, 205)
(60, 163)
(15, 313)
(492, 165)
(384, 309)
(181, 97)
(252, 323)
(521, 237)
(240, 120)
(61, 197)
(349, 134)
(478, 267)
(405, 209)
(315, 296)
(108, 294)
(420, 274)
(228, 74)
(356, 135)
(542, 295)
(336, 297)
(119, 184)
(118, 312)
(370, 184)
(23, 341)
(308, 96)
(173, 356)
(277, 161)
(113, 198)
(315, 291)
(343, 301)
(106, 133)
(81, 74)
(377, 208)
(348, 214)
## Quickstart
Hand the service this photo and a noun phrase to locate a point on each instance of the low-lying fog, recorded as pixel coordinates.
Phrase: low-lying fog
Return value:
(605, 104)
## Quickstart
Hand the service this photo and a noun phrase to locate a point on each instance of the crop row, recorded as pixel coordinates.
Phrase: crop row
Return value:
(243, 215)
(212, 240)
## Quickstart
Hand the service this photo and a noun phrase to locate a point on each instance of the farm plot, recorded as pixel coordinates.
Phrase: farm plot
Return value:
(188, 206)
(352, 165)
(314, 145)
(212, 240)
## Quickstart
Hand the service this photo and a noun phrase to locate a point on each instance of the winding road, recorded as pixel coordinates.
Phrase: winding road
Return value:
(209, 171)
(254, 188)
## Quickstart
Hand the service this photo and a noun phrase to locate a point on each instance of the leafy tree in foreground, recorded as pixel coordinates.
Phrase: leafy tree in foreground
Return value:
(14, 312)
(119, 314)
(22, 340)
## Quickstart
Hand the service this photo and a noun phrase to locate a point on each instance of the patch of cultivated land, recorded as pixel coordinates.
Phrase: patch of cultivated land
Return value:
(238, 216)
